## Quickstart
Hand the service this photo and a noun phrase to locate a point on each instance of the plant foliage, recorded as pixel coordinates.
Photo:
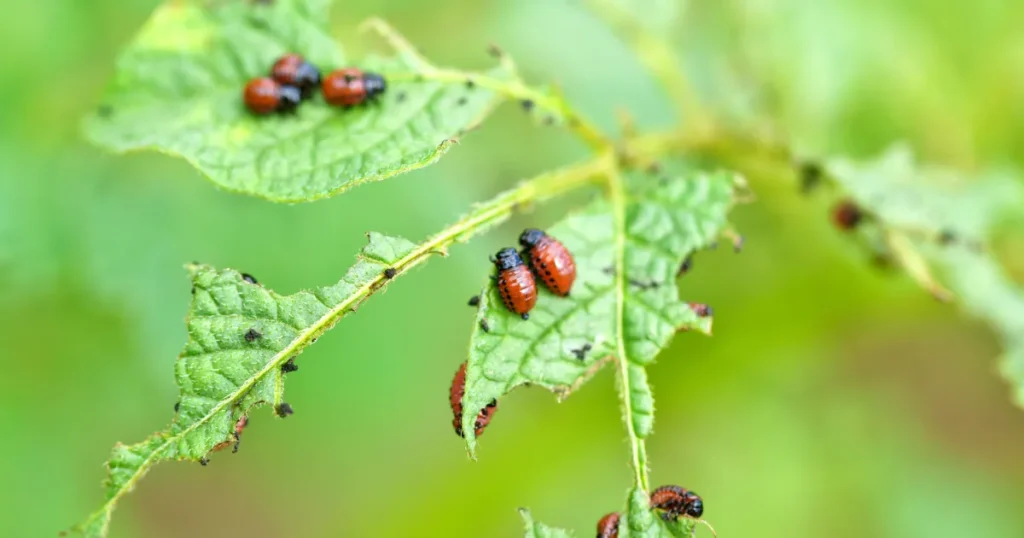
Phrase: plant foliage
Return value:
(663, 196)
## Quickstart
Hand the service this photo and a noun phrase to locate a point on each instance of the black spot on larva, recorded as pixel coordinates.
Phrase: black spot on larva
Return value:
(390, 273)
(177, 405)
(105, 111)
(470, 84)
(249, 278)
(203, 461)
(947, 237)
(486, 327)
(283, 410)
(462, 101)
(474, 300)
(252, 335)
(399, 97)
(289, 366)
(527, 104)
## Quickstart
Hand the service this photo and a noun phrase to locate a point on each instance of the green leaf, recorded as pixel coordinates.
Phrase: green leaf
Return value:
(178, 89)
(539, 530)
(664, 223)
(240, 334)
(931, 218)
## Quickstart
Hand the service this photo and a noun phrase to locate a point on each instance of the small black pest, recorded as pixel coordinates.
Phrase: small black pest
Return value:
(252, 335)
(390, 273)
(474, 300)
(249, 278)
(486, 327)
(283, 409)
(289, 366)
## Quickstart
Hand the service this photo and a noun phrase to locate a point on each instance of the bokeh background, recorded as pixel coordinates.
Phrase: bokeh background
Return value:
(834, 400)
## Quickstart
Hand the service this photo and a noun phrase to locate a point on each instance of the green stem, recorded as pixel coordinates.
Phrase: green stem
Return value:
(511, 88)
(516, 90)
(617, 198)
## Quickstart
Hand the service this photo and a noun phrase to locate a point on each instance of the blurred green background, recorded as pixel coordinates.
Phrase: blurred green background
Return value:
(834, 400)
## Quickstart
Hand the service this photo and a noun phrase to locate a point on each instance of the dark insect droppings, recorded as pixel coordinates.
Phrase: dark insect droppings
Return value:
(810, 176)
(283, 410)
(474, 300)
(252, 335)
(249, 278)
(686, 266)
(390, 273)
(289, 366)
(581, 353)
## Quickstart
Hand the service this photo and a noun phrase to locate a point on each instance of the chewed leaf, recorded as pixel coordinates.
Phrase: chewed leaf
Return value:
(536, 529)
(944, 221)
(178, 89)
(240, 335)
(568, 339)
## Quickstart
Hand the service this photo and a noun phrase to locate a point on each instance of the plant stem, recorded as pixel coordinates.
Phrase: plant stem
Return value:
(617, 198)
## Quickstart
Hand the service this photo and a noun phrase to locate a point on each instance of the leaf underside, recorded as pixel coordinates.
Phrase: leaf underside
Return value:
(924, 203)
(239, 335)
(178, 88)
(665, 222)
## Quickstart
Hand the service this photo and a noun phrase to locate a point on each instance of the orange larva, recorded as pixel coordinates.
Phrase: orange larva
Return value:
(351, 86)
(265, 95)
(675, 501)
(608, 526)
(515, 282)
(549, 258)
(294, 70)
(846, 215)
(458, 389)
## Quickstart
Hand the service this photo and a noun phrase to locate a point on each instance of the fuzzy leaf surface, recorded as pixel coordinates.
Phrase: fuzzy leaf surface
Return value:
(664, 223)
(177, 89)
